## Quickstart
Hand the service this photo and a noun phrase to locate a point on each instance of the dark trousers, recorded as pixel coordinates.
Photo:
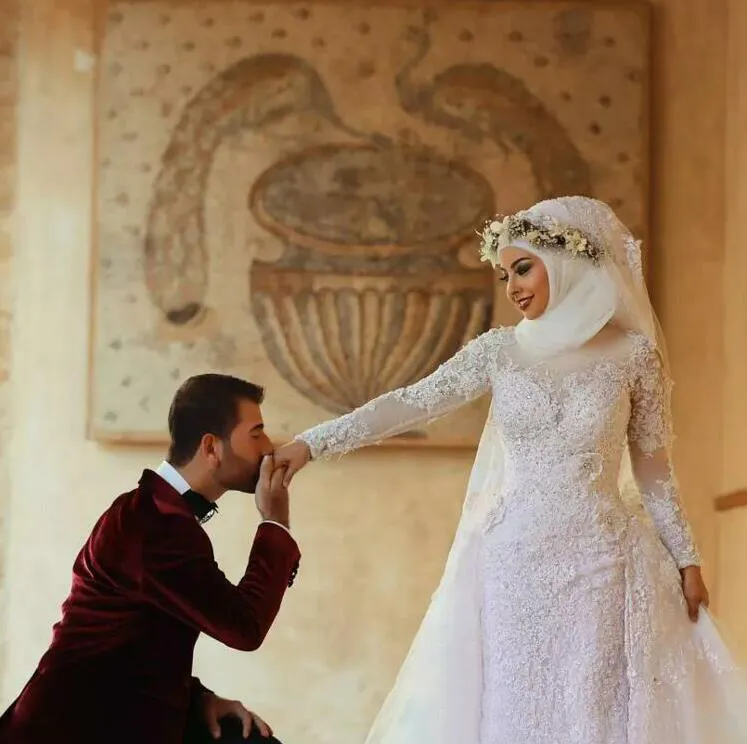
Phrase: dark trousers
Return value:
(230, 734)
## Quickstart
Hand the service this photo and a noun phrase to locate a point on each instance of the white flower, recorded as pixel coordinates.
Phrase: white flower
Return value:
(496, 227)
(577, 242)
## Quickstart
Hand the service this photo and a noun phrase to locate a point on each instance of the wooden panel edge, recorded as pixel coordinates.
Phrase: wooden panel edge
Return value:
(730, 501)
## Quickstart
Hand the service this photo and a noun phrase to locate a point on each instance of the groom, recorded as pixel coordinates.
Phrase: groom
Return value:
(145, 585)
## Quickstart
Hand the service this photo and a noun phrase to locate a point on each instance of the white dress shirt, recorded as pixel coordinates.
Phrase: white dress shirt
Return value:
(176, 480)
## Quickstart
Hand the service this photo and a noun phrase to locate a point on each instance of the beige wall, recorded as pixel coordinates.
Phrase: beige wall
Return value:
(688, 215)
(374, 527)
(732, 566)
(731, 563)
(9, 17)
(371, 549)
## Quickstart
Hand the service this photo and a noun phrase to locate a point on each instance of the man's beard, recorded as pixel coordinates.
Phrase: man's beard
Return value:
(244, 483)
(250, 484)
(238, 475)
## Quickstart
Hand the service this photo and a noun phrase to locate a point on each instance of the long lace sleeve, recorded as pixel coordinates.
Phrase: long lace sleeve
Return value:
(457, 381)
(649, 437)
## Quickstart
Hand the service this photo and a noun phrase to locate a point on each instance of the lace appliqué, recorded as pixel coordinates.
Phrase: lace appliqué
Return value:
(663, 504)
(650, 425)
(633, 253)
(464, 377)
(650, 435)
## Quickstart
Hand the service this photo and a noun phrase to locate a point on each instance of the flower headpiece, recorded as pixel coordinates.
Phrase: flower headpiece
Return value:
(550, 235)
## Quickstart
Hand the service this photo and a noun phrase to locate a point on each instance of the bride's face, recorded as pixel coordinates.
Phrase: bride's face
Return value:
(527, 284)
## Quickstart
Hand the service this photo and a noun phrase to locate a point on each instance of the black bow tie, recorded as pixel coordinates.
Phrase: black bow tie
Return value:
(202, 508)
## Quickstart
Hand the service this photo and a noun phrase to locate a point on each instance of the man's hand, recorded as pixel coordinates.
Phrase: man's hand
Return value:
(694, 589)
(271, 494)
(214, 708)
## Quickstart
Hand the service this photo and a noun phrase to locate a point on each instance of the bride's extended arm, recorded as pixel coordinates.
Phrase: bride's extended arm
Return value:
(650, 437)
(461, 379)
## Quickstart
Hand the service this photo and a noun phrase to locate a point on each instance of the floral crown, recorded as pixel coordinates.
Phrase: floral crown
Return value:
(550, 235)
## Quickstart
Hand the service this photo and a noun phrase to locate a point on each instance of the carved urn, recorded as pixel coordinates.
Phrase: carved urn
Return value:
(378, 281)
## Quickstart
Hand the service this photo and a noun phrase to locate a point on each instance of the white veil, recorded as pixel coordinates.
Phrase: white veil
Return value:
(437, 696)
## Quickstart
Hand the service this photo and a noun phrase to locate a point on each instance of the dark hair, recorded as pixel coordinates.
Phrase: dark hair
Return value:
(206, 404)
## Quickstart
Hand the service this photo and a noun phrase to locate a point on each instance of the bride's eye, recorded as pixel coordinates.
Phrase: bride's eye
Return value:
(502, 276)
(523, 268)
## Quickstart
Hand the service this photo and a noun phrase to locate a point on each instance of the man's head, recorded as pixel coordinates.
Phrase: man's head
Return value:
(217, 433)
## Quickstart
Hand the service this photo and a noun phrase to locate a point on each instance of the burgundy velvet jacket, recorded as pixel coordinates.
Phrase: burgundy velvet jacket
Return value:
(145, 585)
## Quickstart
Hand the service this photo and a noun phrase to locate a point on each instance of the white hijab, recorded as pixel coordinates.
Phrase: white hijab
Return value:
(583, 299)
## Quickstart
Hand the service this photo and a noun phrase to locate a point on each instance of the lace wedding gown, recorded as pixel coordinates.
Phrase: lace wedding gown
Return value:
(584, 632)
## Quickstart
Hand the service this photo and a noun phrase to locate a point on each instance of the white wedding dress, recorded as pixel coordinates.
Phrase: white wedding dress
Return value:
(582, 634)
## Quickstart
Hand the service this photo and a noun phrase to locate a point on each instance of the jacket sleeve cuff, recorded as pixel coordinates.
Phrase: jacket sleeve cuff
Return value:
(281, 544)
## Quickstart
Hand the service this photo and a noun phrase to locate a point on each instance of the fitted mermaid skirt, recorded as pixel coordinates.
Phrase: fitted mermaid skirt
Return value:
(586, 637)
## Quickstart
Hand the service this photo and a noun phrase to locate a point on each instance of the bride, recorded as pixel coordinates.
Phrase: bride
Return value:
(565, 615)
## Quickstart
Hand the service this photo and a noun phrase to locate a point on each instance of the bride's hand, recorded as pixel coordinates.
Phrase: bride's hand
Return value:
(293, 456)
(694, 589)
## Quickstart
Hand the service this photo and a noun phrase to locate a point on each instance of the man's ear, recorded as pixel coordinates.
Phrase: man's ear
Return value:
(211, 449)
